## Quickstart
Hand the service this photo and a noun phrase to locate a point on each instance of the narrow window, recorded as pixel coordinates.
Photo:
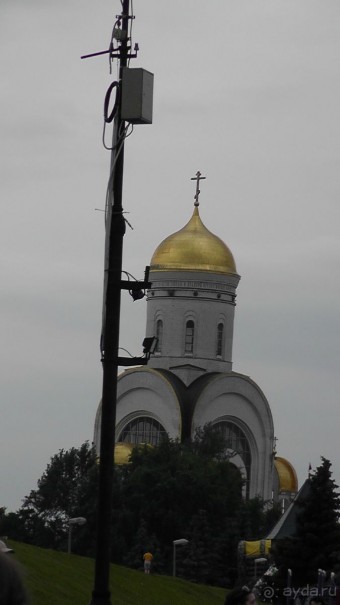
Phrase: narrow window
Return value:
(189, 337)
(219, 346)
(159, 336)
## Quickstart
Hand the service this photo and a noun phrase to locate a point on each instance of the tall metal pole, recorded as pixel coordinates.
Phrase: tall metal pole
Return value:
(69, 540)
(110, 343)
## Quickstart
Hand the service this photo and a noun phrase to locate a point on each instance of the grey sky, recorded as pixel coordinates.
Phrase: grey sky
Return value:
(248, 93)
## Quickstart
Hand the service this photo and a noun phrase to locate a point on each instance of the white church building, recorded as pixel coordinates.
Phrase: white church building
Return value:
(189, 380)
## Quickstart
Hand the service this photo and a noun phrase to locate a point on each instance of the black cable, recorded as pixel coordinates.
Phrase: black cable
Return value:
(109, 118)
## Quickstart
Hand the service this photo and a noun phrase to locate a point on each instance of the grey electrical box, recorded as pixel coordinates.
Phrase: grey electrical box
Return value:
(137, 96)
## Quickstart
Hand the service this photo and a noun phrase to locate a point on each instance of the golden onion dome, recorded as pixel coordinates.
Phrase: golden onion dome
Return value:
(287, 476)
(193, 248)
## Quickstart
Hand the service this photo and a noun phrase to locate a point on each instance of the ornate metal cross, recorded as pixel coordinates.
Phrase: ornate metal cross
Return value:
(197, 178)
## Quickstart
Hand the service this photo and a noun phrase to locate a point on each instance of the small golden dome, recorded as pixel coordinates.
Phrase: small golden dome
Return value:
(287, 476)
(123, 452)
(193, 248)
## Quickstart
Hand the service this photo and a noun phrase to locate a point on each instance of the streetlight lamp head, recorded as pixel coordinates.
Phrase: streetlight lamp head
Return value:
(77, 521)
(71, 522)
(180, 542)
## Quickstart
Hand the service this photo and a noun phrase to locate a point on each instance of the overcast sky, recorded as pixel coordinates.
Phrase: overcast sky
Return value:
(247, 92)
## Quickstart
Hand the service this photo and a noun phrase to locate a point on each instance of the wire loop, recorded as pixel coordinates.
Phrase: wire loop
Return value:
(109, 118)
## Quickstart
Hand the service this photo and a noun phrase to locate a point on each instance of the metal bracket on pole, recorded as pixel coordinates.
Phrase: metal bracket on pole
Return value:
(134, 285)
(132, 361)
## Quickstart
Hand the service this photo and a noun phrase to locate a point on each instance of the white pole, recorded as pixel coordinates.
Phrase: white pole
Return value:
(69, 538)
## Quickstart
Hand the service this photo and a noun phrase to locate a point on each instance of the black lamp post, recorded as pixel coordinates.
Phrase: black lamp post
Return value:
(113, 284)
(110, 343)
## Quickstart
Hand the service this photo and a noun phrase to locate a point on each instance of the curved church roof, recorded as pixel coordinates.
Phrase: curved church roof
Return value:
(193, 248)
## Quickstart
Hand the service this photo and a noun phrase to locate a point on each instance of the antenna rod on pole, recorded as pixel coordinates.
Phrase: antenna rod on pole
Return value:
(110, 342)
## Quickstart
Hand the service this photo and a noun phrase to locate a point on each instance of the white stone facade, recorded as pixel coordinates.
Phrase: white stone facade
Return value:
(205, 298)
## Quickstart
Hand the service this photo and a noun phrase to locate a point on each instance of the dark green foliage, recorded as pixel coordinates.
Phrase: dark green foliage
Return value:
(67, 489)
(164, 493)
(141, 544)
(188, 491)
(167, 486)
(271, 516)
(256, 519)
(197, 557)
(11, 525)
(316, 544)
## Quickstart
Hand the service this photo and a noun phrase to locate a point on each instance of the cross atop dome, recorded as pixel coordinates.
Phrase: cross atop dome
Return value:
(197, 178)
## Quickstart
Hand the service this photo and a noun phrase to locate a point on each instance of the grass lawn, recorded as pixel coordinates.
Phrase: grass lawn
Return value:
(55, 578)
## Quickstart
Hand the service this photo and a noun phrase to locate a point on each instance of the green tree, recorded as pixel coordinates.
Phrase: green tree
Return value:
(175, 490)
(67, 489)
(257, 517)
(11, 525)
(196, 559)
(316, 543)
(168, 485)
(144, 542)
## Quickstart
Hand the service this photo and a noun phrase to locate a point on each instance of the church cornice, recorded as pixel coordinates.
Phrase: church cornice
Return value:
(187, 366)
(192, 283)
(200, 295)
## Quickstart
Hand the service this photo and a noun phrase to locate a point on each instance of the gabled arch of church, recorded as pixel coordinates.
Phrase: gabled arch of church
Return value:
(235, 399)
(144, 393)
(189, 380)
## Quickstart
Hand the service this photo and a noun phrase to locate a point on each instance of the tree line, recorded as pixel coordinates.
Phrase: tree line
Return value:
(178, 490)
(175, 490)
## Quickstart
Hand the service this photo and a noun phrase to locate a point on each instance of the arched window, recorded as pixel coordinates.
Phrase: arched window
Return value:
(219, 344)
(236, 444)
(189, 337)
(143, 430)
(159, 336)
